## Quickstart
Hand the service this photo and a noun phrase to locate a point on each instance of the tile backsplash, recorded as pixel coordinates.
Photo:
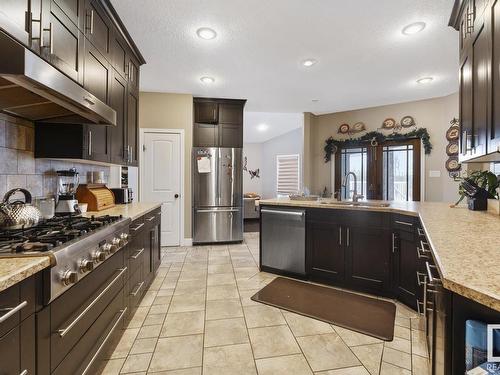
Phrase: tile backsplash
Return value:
(19, 168)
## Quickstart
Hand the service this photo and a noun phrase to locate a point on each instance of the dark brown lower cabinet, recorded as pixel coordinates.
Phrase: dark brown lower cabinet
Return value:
(368, 258)
(325, 259)
(17, 349)
(405, 263)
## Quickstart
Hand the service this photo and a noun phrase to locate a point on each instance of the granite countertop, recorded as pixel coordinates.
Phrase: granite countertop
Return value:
(14, 270)
(465, 244)
(131, 210)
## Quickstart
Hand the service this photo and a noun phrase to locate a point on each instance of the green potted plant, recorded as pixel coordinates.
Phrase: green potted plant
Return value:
(484, 179)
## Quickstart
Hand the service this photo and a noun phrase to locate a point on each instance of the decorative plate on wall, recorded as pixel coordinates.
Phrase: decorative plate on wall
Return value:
(389, 123)
(453, 133)
(452, 164)
(407, 122)
(343, 129)
(452, 148)
(358, 127)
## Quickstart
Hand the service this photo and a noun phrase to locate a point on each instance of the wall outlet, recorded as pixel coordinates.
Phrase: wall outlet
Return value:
(434, 173)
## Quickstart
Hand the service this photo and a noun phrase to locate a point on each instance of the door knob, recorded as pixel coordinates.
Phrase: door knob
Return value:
(176, 196)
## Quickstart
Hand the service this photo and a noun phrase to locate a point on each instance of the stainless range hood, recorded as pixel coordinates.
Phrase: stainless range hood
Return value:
(33, 89)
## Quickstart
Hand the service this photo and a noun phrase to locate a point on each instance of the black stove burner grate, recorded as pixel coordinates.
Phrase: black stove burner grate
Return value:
(51, 233)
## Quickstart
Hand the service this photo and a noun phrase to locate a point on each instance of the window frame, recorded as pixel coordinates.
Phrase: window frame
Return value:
(375, 168)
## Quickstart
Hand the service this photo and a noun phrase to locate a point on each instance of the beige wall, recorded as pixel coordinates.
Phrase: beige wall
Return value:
(172, 111)
(433, 114)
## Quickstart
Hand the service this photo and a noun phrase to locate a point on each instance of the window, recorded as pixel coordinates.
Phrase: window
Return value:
(398, 172)
(388, 171)
(288, 174)
(354, 160)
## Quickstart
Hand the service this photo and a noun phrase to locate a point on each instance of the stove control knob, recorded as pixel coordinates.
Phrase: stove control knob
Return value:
(99, 256)
(69, 277)
(106, 248)
(117, 243)
(124, 238)
(86, 265)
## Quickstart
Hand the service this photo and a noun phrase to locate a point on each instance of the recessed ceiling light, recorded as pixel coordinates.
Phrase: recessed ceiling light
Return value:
(413, 28)
(206, 33)
(207, 80)
(425, 80)
(309, 62)
(262, 127)
(315, 100)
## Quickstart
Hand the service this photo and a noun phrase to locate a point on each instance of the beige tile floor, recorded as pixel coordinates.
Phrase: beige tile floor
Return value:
(197, 318)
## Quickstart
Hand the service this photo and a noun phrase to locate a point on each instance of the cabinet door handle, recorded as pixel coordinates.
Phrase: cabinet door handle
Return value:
(12, 310)
(92, 21)
(348, 235)
(90, 143)
(40, 28)
(340, 236)
(393, 242)
(138, 254)
(51, 39)
(420, 232)
(24, 372)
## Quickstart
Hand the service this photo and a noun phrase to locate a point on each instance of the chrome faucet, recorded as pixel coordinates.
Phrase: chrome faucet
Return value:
(355, 196)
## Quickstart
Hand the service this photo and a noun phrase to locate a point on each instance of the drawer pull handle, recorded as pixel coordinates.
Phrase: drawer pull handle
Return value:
(421, 253)
(138, 254)
(419, 310)
(62, 332)
(432, 280)
(138, 289)
(404, 223)
(151, 218)
(421, 278)
(24, 372)
(105, 341)
(137, 227)
(420, 232)
(12, 310)
(292, 213)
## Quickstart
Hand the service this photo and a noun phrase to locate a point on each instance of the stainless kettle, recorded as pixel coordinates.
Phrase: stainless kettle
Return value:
(18, 214)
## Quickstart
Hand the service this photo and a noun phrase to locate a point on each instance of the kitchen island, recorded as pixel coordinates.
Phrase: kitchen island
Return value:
(440, 261)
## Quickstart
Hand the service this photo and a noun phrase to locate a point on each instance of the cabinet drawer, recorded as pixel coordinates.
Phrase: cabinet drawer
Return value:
(403, 222)
(74, 312)
(152, 218)
(135, 288)
(17, 303)
(137, 227)
(96, 340)
(135, 258)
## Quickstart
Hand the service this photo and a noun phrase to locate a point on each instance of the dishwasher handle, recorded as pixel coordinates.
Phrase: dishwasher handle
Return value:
(283, 212)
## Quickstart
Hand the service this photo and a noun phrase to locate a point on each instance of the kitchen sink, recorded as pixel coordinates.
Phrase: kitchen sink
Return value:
(355, 204)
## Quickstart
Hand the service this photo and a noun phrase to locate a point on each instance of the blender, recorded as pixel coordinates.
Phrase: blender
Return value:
(67, 183)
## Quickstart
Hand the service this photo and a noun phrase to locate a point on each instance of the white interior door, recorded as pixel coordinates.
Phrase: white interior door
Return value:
(162, 181)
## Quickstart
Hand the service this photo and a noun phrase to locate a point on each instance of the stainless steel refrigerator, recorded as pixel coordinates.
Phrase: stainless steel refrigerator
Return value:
(217, 194)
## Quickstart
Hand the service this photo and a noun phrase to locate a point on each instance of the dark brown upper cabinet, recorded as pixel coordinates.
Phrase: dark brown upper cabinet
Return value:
(62, 42)
(206, 112)
(478, 22)
(218, 122)
(132, 129)
(14, 21)
(118, 51)
(97, 27)
(118, 101)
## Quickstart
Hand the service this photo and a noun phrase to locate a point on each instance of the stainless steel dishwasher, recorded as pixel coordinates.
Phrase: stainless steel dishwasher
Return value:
(283, 239)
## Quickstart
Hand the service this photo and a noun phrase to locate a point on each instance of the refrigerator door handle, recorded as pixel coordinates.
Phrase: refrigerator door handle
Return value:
(218, 210)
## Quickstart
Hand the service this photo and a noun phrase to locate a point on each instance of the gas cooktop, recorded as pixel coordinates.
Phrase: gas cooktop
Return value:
(51, 233)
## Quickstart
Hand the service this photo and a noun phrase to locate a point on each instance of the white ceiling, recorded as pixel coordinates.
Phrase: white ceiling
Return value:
(262, 126)
(363, 58)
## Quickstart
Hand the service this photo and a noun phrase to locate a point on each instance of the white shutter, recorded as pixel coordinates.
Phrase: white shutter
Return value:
(288, 174)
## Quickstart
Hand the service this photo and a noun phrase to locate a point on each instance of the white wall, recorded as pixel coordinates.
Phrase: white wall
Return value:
(253, 153)
(285, 144)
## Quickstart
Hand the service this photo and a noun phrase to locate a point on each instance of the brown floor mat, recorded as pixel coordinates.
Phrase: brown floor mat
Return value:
(366, 315)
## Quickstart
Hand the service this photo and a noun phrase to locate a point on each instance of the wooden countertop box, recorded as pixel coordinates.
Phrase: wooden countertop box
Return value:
(97, 196)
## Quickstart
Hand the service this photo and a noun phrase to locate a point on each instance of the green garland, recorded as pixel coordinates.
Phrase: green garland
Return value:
(332, 145)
